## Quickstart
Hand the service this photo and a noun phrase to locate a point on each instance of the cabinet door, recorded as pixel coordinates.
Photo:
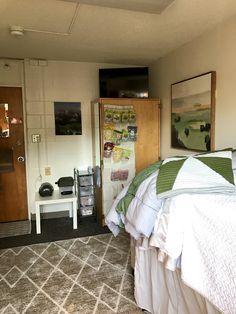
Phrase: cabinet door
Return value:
(147, 147)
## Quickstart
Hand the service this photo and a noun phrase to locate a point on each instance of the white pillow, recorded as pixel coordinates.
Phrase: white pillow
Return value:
(234, 159)
(234, 172)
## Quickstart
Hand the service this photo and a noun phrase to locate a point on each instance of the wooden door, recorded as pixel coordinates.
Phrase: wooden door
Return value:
(13, 193)
(147, 146)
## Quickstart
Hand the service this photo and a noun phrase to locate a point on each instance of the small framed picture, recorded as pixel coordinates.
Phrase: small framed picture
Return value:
(68, 118)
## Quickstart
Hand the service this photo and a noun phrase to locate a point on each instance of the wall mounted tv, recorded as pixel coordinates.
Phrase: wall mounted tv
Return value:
(123, 82)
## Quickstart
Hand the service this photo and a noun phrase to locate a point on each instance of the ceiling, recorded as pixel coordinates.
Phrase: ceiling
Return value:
(110, 31)
(148, 6)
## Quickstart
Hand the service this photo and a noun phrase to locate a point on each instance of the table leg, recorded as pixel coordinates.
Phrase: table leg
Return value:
(71, 212)
(74, 214)
(38, 223)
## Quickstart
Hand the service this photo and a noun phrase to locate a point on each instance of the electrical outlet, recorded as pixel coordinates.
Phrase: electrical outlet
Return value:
(36, 138)
(47, 171)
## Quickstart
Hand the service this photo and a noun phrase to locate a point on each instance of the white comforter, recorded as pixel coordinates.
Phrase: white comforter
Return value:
(142, 213)
(201, 228)
(198, 228)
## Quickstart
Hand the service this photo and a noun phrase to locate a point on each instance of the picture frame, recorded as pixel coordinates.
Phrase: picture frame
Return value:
(67, 118)
(193, 113)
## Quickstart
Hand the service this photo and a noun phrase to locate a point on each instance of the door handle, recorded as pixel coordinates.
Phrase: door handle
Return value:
(20, 159)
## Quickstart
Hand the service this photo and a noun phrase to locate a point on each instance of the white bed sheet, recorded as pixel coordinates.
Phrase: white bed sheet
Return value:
(161, 291)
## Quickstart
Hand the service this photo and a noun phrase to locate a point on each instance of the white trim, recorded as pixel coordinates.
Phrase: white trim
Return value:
(25, 136)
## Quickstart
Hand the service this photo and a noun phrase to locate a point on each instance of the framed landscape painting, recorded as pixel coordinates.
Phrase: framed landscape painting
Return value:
(193, 113)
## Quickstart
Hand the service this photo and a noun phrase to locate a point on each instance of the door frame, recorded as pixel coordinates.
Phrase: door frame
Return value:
(25, 140)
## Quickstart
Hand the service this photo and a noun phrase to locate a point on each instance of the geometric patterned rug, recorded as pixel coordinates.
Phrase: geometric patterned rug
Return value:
(82, 275)
(15, 228)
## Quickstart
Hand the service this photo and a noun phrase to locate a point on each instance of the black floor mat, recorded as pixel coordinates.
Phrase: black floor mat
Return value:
(53, 230)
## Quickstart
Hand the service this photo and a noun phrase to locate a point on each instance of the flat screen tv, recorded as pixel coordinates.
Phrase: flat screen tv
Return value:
(123, 82)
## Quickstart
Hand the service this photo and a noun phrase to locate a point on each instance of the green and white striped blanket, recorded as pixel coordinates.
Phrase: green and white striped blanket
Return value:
(138, 204)
(124, 203)
(201, 173)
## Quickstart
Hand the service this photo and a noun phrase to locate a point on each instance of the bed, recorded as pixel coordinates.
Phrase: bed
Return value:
(181, 216)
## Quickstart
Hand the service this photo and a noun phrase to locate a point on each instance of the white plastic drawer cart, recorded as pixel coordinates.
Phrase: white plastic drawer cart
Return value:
(84, 186)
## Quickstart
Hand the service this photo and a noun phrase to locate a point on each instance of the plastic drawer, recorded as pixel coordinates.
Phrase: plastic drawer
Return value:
(85, 180)
(86, 200)
(85, 190)
(86, 211)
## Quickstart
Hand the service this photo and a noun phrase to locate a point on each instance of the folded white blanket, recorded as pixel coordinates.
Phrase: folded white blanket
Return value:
(142, 212)
(144, 208)
(114, 220)
(202, 227)
(209, 249)
(168, 231)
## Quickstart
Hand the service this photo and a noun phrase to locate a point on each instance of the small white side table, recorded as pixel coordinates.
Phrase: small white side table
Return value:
(56, 198)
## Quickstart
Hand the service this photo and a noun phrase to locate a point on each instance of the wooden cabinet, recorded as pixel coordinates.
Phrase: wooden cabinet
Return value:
(146, 147)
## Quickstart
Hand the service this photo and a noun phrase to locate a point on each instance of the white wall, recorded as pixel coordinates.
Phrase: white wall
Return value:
(75, 81)
(45, 83)
(213, 51)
